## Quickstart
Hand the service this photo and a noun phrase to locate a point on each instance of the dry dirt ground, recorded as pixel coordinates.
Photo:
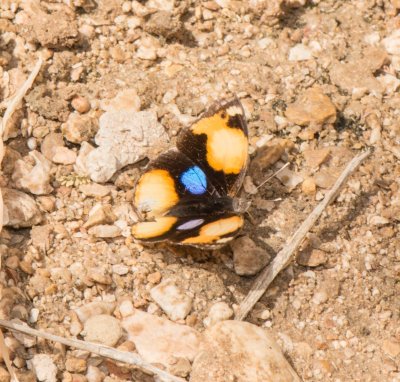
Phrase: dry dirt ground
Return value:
(318, 81)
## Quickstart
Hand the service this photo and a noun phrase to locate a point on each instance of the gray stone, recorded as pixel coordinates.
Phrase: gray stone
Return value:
(248, 259)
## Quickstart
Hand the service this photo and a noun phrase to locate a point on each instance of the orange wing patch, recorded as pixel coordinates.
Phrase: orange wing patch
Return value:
(155, 193)
(227, 148)
(212, 232)
(149, 230)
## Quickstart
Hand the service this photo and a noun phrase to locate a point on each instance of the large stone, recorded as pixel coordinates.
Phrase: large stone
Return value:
(314, 107)
(241, 352)
(158, 339)
(123, 138)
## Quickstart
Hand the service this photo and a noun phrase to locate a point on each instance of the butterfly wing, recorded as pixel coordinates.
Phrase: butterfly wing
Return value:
(203, 231)
(185, 195)
(218, 143)
(171, 192)
(169, 180)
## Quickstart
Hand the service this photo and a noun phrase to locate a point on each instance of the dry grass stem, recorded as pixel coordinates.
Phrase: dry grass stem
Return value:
(12, 106)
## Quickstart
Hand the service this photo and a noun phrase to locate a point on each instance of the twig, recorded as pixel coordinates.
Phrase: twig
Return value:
(6, 356)
(274, 174)
(105, 351)
(18, 98)
(284, 256)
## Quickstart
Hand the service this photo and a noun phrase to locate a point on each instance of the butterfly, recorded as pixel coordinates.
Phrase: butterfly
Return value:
(188, 194)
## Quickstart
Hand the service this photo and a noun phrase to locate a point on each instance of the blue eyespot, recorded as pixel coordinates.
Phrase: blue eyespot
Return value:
(194, 180)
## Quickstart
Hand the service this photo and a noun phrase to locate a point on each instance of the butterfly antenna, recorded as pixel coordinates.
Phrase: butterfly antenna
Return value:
(273, 175)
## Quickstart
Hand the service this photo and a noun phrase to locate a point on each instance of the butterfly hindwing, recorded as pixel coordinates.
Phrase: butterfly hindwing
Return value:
(204, 231)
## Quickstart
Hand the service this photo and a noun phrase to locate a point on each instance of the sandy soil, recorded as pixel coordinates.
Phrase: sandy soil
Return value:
(318, 80)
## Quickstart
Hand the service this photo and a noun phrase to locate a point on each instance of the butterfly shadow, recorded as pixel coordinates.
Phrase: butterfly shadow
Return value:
(327, 231)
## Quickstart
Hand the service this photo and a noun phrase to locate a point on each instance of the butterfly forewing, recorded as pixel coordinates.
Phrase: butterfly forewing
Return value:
(218, 143)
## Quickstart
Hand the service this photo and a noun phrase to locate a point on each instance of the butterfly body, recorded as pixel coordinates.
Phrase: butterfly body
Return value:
(187, 195)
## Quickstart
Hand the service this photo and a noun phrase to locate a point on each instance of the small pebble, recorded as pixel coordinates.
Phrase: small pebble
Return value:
(44, 367)
(75, 365)
(312, 107)
(63, 155)
(158, 339)
(220, 311)
(32, 143)
(126, 308)
(98, 275)
(248, 258)
(315, 158)
(94, 308)
(379, 220)
(312, 259)
(308, 186)
(180, 367)
(33, 315)
(320, 297)
(126, 6)
(105, 231)
(300, 52)
(172, 300)
(100, 214)
(80, 104)
(94, 374)
(103, 329)
(154, 277)
(117, 54)
(94, 190)
(120, 269)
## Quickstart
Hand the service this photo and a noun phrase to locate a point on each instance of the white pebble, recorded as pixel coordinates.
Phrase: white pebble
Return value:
(126, 6)
(126, 308)
(300, 52)
(220, 311)
(392, 43)
(32, 143)
(33, 315)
